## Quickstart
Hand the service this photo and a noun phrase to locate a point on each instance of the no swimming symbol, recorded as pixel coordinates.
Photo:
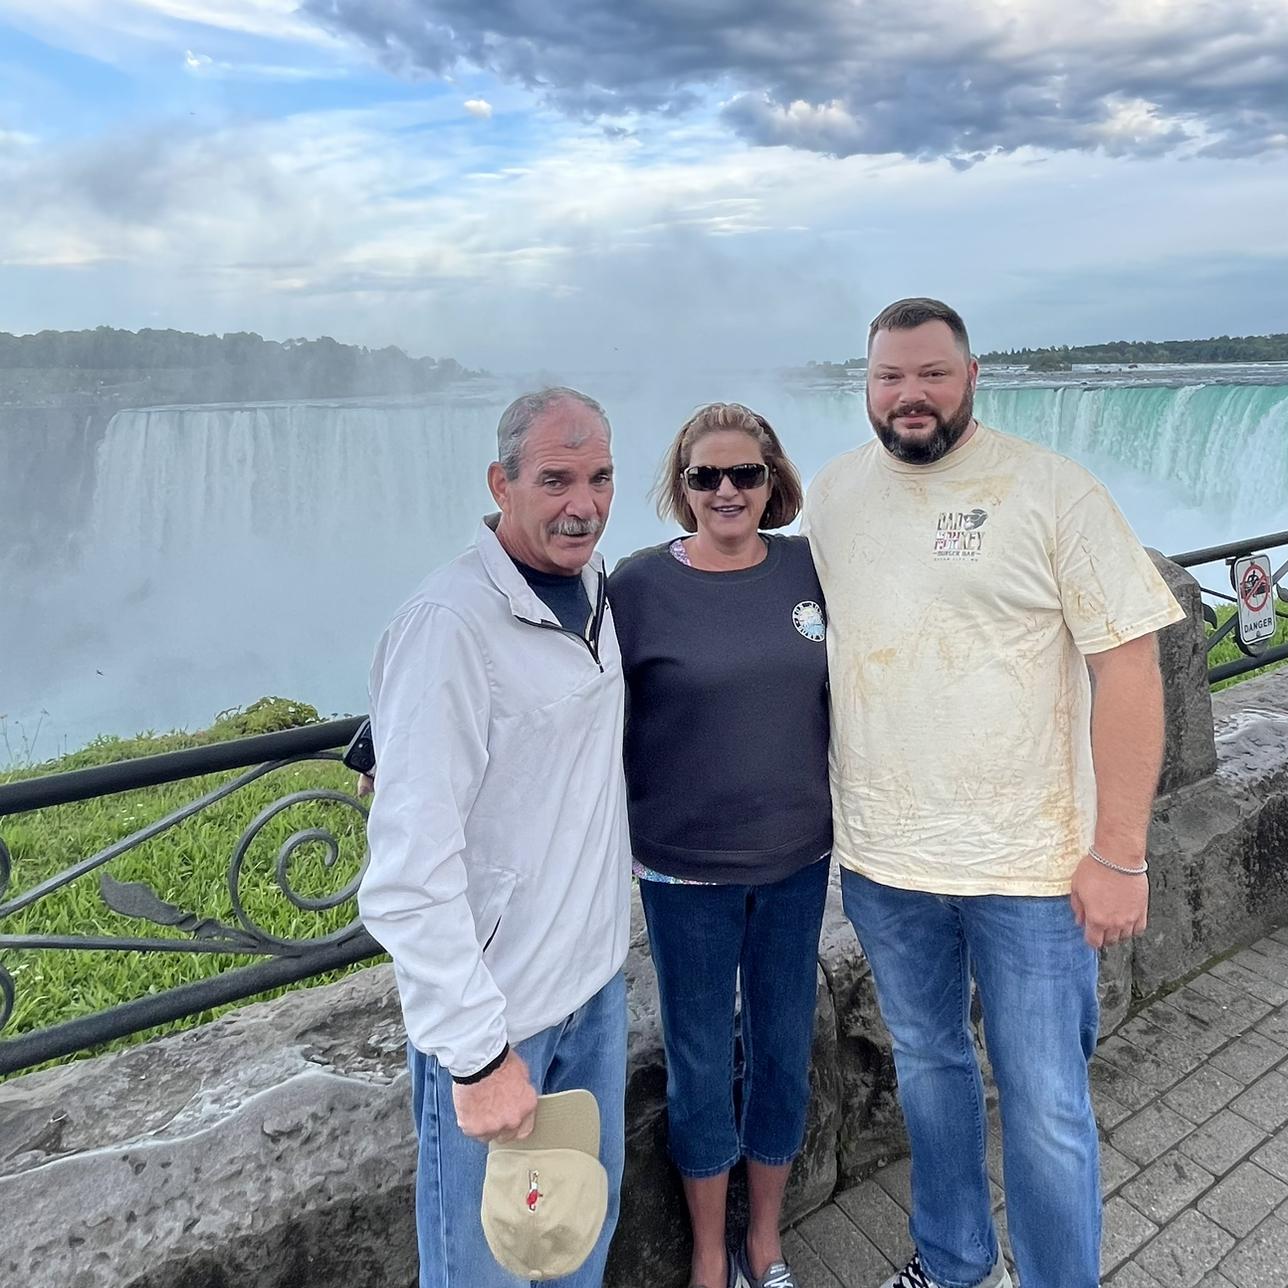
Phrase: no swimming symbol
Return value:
(1254, 587)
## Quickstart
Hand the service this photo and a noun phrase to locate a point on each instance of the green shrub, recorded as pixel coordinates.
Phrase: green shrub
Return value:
(268, 715)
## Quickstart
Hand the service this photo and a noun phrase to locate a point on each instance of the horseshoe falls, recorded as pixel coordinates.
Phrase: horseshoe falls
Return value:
(182, 560)
(1219, 449)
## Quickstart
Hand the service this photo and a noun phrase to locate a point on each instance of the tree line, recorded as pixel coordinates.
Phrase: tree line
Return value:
(1222, 348)
(242, 363)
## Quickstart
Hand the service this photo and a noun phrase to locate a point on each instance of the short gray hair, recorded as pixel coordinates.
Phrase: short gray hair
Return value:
(521, 414)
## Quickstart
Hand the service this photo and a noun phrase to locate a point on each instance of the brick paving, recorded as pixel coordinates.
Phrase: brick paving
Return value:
(1192, 1099)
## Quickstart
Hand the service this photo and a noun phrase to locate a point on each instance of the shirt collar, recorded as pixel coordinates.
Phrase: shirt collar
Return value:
(524, 601)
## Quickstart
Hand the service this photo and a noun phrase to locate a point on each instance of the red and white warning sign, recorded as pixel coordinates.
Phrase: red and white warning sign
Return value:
(1254, 586)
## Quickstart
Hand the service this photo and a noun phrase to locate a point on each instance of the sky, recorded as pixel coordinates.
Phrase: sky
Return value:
(552, 185)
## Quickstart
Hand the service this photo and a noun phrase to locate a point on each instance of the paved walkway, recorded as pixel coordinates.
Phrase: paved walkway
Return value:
(1192, 1098)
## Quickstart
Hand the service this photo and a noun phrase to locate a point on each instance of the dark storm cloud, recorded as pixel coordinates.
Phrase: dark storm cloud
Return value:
(957, 79)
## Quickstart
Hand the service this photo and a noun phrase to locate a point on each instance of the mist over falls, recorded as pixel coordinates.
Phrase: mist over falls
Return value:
(176, 561)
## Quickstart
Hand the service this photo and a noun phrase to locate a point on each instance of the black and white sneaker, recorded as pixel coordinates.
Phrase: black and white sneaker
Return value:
(914, 1276)
(778, 1275)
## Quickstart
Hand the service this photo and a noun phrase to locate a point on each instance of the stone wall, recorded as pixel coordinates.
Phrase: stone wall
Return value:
(273, 1148)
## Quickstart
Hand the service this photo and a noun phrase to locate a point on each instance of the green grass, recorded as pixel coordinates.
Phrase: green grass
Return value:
(187, 866)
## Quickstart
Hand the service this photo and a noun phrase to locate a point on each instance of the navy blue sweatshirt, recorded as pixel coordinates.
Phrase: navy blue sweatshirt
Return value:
(726, 714)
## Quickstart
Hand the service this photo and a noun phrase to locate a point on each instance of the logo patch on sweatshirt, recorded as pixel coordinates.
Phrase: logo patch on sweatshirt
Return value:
(958, 534)
(807, 617)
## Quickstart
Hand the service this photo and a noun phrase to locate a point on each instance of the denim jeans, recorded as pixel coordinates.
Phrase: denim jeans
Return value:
(588, 1049)
(703, 939)
(1036, 978)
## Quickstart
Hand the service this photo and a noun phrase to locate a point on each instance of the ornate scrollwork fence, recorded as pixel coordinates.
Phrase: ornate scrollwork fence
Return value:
(283, 959)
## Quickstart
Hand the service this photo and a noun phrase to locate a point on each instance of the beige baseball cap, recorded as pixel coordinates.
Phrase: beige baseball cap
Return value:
(545, 1197)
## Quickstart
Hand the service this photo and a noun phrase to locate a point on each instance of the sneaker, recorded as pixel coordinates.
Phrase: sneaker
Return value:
(734, 1278)
(913, 1276)
(778, 1275)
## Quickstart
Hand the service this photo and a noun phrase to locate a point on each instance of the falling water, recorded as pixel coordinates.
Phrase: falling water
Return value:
(192, 558)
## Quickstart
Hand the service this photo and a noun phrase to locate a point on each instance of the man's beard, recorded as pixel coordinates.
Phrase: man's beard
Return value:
(947, 433)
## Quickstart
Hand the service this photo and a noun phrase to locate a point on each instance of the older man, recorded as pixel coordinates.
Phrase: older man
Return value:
(990, 814)
(499, 865)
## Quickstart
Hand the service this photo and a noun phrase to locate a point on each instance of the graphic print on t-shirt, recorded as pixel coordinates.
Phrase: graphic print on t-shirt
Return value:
(958, 534)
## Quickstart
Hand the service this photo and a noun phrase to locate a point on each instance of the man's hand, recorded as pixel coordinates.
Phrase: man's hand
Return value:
(501, 1107)
(366, 785)
(1109, 906)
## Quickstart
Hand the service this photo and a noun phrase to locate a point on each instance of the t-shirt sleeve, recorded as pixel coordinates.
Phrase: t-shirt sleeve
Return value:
(1110, 591)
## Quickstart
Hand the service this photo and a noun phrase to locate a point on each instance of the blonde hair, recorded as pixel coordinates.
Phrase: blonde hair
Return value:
(786, 494)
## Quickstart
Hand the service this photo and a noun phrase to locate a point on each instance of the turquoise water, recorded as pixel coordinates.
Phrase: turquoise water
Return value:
(1222, 447)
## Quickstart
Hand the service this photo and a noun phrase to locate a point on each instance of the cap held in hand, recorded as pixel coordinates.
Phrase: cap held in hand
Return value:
(545, 1197)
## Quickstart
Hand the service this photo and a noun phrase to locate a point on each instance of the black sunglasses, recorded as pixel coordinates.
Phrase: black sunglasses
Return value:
(706, 478)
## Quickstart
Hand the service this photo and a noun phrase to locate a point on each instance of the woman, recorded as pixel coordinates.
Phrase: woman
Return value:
(721, 635)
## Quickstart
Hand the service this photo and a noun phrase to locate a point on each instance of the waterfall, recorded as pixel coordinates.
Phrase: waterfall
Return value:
(1223, 447)
(200, 557)
(289, 481)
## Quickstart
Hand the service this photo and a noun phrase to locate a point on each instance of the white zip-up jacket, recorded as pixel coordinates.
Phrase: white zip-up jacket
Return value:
(499, 875)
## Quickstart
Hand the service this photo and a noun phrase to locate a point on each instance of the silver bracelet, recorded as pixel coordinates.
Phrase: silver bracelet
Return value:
(1115, 867)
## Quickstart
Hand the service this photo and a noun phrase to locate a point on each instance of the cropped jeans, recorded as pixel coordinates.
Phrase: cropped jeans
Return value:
(588, 1049)
(705, 939)
(1036, 978)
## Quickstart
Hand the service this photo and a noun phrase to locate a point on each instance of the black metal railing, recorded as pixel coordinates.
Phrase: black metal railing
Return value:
(283, 961)
(1255, 656)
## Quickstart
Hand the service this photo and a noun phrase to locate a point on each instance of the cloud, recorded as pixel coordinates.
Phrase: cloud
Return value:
(550, 244)
(260, 39)
(478, 107)
(945, 78)
(207, 68)
(77, 23)
(12, 141)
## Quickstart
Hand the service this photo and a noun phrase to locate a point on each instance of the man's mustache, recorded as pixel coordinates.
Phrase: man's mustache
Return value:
(575, 527)
(915, 409)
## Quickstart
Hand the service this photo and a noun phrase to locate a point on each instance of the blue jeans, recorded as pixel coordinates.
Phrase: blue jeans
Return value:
(588, 1049)
(1036, 979)
(703, 938)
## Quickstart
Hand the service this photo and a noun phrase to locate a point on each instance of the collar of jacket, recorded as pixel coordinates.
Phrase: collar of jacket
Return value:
(524, 602)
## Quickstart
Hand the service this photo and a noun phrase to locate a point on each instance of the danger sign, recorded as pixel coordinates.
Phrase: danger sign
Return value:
(1254, 585)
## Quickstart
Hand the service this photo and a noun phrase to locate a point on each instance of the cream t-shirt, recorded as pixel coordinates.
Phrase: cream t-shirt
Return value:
(961, 597)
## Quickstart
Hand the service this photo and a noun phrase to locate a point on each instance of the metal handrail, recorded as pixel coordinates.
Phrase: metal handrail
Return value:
(172, 766)
(1231, 550)
(1242, 665)
(58, 1040)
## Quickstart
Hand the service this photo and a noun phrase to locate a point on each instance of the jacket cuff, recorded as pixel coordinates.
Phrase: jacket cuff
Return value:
(468, 1079)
